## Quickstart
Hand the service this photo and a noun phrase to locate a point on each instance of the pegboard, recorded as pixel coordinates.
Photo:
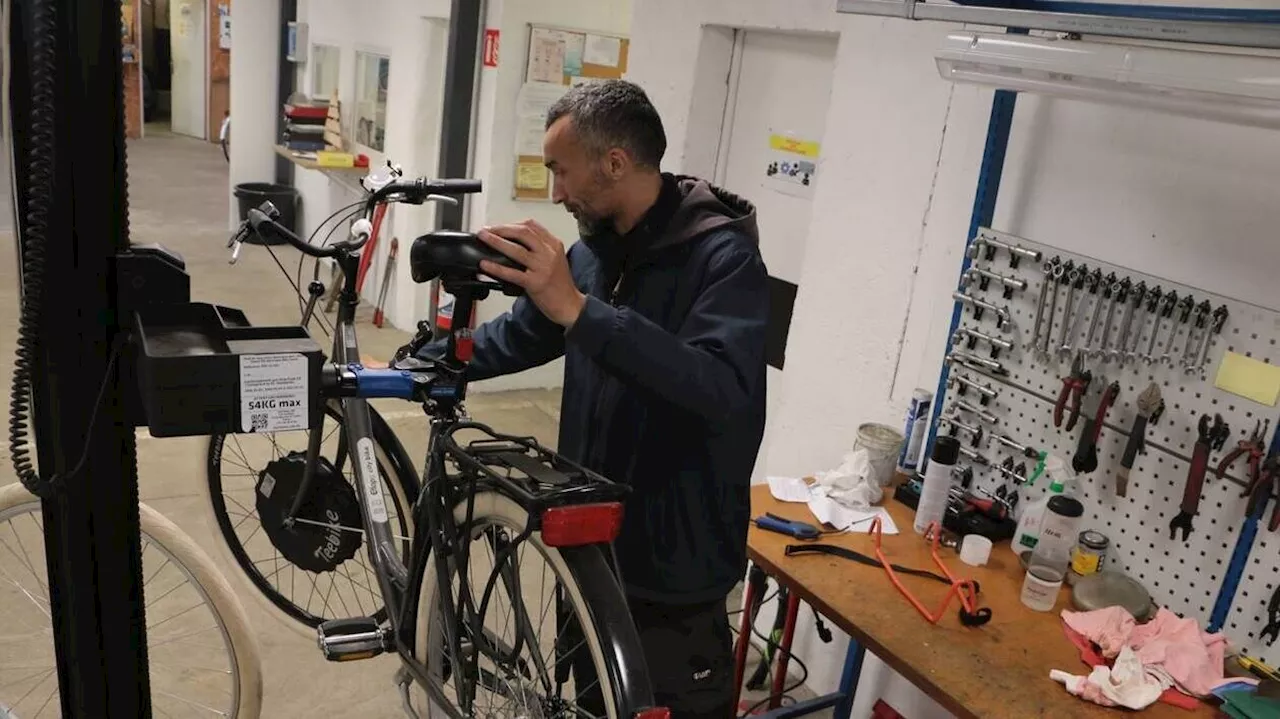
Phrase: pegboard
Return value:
(1183, 576)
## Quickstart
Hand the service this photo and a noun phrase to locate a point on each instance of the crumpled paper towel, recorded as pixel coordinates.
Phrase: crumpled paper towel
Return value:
(1127, 683)
(851, 484)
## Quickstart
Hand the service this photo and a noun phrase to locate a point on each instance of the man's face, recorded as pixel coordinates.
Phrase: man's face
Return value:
(580, 177)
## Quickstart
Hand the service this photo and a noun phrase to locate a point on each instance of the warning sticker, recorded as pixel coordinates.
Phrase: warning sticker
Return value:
(369, 479)
(273, 392)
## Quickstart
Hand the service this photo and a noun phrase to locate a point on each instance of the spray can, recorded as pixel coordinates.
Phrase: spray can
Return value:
(916, 431)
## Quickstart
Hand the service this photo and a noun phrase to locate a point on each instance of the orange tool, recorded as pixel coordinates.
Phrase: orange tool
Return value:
(378, 316)
(965, 589)
(366, 254)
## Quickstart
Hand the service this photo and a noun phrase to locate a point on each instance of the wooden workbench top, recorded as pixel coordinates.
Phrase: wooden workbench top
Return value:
(997, 670)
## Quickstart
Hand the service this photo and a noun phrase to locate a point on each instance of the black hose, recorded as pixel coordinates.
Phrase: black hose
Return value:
(35, 233)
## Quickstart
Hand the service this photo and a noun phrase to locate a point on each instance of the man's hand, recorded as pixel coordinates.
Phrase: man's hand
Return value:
(546, 278)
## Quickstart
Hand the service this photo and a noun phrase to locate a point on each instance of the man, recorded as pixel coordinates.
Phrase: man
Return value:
(660, 313)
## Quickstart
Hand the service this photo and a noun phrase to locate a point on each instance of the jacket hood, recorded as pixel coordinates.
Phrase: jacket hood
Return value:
(705, 207)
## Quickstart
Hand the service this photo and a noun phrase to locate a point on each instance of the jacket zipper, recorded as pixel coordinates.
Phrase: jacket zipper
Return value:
(599, 400)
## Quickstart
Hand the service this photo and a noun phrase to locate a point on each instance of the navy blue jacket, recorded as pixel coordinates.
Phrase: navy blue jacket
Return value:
(664, 382)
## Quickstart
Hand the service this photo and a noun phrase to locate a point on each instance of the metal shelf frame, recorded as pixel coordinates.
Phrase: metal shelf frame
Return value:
(1241, 28)
(1236, 28)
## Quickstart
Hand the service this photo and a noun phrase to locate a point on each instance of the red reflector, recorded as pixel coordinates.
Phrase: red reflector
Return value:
(654, 713)
(581, 524)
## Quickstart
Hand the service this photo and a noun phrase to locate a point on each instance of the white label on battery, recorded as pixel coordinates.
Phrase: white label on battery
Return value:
(373, 498)
(273, 392)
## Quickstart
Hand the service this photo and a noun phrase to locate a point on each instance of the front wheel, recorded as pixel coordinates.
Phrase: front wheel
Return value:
(556, 637)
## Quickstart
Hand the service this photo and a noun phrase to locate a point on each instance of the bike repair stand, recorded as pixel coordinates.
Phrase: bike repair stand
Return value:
(125, 348)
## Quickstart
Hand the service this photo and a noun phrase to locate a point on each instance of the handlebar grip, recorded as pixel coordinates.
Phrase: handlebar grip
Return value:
(454, 187)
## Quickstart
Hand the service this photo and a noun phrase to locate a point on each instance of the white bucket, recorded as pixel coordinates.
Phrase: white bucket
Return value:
(883, 444)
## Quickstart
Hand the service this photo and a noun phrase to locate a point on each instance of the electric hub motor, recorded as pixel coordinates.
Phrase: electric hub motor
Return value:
(326, 531)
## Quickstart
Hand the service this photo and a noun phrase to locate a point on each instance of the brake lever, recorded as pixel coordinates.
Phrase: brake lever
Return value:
(237, 241)
(446, 199)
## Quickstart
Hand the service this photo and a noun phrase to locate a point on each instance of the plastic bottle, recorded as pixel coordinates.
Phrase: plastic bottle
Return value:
(1052, 556)
(935, 491)
(1028, 531)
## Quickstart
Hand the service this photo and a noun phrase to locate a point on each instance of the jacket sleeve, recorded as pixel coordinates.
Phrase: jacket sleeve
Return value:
(711, 365)
(517, 340)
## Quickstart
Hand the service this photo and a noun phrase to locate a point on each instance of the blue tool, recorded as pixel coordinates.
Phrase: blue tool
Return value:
(799, 530)
(1244, 545)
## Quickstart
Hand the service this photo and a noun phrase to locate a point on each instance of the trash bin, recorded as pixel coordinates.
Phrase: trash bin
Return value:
(251, 195)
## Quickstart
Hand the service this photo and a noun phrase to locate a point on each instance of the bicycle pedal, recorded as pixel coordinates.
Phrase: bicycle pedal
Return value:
(348, 640)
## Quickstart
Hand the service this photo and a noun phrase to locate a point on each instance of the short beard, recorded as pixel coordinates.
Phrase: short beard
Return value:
(595, 226)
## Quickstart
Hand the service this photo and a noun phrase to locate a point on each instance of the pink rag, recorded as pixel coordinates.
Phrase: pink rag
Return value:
(1191, 657)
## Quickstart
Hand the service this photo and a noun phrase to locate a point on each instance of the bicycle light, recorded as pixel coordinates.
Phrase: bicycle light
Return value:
(654, 713)
(580, 524)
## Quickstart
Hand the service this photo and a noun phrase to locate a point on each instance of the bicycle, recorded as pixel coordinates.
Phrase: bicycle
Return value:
(499, 495)
(202, 661)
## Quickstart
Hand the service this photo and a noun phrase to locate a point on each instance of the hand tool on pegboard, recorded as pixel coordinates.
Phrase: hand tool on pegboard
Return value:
(1272, 629)
(1132, 311)
(1162, 312)
(1074, 386)
(1258, 492)
(1215, 328)
(1048, 282)
(1119, 296)
(1211, 437)
(1090, 282)
(1073, 277)
(1150, 407)
(1108, 287)
(1095, 408)
(378, 315)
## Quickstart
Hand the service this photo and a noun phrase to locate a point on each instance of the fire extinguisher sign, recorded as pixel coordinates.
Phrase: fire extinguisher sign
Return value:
(490, 51)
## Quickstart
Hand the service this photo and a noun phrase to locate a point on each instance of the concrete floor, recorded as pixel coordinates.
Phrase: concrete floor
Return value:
(178, 198)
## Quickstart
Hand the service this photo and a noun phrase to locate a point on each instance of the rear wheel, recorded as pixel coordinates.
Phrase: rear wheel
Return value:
(315, 568)
(557, 639)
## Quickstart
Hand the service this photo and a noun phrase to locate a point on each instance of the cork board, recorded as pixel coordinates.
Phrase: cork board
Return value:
(556, 60)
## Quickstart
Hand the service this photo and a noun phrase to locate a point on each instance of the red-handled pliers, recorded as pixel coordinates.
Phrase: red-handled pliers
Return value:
(1252, 445)
(1073, 385)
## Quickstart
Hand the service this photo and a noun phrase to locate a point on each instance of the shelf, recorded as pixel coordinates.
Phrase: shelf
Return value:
(309, 164)
(1240, 28)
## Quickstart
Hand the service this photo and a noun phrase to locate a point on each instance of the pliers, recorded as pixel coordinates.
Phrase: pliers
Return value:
(1256, 450)
(1073, 386)
(1272, 629)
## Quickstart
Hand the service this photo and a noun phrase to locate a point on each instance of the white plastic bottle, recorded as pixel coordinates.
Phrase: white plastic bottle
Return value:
(1028, 531)
(936, 488)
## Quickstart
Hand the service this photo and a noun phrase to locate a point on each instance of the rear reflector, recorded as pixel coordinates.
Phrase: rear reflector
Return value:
(581, 524)
(654, 713)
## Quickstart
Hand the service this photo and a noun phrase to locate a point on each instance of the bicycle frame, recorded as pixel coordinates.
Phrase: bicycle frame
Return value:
(435, 529)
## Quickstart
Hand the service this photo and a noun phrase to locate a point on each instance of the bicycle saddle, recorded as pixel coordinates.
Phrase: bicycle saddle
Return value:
(450, 254)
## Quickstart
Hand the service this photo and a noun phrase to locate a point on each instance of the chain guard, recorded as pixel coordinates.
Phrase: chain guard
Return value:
(331, 500)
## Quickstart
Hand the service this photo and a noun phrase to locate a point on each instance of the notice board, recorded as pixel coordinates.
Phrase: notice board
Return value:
(557, 59)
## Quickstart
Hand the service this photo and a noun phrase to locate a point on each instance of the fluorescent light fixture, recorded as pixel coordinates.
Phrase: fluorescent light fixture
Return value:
(1244, 89)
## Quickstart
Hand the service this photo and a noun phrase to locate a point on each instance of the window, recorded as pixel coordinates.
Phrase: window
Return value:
(326, 64)
(371, 99)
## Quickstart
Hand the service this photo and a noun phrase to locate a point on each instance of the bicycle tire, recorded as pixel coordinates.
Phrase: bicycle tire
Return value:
(396, 465)
(598, 601)
(203, 572)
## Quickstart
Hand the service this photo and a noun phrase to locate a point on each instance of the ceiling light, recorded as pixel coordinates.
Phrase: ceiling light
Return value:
(1244, 89)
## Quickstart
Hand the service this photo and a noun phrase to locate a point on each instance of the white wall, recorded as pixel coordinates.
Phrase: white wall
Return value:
(1185, 199)
(495, 135)
(253, 95)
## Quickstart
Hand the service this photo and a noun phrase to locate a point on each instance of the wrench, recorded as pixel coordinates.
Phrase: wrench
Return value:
(985, 392)
(1091, 284)
(978, 412)
(1185, 306)
(1059, 275)
(1166, 309)
(1119, 296)
(1003, 318)
(971, 360)
(1211, 438)
(1219, 320)
(1044, 295)
(1074, 277)
(1108, 287)
(972, 336)
(975, 432)
(1015, 445)
(1203, 310)
(1120, 351)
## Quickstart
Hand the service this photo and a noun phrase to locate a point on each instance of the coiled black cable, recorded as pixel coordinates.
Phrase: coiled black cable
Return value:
(35, 233)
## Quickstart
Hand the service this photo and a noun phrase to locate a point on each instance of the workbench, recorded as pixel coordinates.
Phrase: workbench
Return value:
(997, 670)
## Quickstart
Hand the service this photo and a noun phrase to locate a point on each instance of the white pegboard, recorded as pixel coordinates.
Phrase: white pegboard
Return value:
(1184, 577)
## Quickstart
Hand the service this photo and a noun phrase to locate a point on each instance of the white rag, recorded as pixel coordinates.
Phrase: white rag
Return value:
(1127, 683)
(852, 484)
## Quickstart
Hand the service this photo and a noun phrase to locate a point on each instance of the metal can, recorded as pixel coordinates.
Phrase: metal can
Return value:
(916, 430)
(1090, 553)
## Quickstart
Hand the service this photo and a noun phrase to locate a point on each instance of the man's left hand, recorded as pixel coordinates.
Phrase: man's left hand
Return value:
(546, 277)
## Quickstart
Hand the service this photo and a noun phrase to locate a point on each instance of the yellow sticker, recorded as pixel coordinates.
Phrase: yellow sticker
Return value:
(795, 146)
(1249, 378)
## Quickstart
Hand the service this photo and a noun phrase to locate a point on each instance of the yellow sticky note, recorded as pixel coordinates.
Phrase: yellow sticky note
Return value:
(1249, 378)
(531, 176)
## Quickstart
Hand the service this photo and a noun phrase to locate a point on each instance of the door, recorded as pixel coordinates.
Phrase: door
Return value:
(775, 117)
(188, 33)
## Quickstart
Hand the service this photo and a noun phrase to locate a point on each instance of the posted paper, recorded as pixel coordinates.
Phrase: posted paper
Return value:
(603, 50)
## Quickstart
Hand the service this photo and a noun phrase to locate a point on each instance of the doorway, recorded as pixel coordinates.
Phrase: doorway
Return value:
(157, 69)
(189, 79)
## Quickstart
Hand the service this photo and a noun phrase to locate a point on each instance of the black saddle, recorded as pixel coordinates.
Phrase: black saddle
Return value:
(454, 257)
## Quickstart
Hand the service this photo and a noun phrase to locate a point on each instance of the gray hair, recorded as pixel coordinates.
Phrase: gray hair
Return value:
(614, 113)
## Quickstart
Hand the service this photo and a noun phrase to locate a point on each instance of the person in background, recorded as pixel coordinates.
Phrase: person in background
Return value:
(660, 312)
